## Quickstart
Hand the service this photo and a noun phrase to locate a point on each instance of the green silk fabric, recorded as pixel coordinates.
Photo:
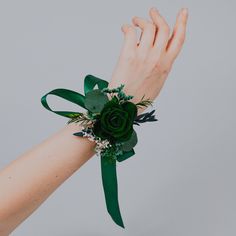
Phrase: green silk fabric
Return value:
(108, 168)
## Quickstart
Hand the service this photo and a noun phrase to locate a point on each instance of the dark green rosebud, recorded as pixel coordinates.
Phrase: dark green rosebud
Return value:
(115, 122)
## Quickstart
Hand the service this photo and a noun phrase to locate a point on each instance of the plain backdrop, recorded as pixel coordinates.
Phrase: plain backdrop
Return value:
(181, 182)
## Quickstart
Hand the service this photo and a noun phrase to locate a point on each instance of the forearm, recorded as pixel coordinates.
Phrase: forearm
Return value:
(30, 179)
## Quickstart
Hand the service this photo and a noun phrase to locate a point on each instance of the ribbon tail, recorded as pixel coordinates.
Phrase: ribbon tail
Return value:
(110, 187)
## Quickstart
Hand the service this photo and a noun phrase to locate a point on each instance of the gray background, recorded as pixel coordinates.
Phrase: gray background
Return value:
(182, 180)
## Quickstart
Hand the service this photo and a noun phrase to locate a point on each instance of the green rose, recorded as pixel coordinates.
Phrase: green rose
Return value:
(115, 122)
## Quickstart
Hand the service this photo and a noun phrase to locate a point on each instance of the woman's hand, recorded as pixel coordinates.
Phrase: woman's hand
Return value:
(144, 66)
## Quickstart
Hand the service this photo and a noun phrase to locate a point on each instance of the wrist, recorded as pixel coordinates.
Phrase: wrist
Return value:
(74, 127)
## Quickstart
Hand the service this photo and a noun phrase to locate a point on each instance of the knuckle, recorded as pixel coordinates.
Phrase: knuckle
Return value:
(129, 57)
(144, 59)
(154, 60)
(141, 58)
(150, 61)
(163, 68)
(130, 29)
(159, 65)
(172, 57)
(167, 69)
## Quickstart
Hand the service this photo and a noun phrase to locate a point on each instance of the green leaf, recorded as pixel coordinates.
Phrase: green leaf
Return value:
(128, 145)
(74, 114)
(95, 100)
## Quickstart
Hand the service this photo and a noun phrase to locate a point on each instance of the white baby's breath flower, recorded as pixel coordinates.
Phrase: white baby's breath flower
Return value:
(100, 144)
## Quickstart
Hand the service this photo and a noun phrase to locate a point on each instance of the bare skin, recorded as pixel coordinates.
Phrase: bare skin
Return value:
(143, 67)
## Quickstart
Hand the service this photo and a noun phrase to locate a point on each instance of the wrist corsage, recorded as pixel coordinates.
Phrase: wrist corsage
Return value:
(108, 121)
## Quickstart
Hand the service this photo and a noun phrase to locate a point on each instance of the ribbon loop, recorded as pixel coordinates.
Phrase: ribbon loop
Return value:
(91, 81)
(68, 95)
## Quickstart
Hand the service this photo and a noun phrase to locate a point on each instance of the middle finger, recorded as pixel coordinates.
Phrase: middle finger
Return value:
(148, 32)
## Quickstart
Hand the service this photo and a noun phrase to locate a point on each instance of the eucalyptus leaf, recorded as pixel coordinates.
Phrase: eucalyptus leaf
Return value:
(95, 100)
(128, 145)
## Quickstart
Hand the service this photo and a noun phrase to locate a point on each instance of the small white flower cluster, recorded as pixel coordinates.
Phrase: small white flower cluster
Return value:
(100, 144)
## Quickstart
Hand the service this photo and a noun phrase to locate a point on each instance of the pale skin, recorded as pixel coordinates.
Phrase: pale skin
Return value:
(143, 66)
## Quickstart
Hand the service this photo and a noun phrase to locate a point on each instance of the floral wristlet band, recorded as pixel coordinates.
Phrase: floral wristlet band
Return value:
(108, 122)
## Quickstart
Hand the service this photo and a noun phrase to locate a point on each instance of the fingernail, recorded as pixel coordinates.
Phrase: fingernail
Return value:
(154, 9)
(185, 11)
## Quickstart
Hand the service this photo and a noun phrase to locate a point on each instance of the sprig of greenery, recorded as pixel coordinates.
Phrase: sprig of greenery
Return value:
(84, 120)
(74, 117)
(119, 92)
(144, 103)
(145, 117)
(111, 153)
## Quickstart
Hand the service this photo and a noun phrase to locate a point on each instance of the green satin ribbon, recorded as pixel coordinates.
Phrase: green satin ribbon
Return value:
(108, 168)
